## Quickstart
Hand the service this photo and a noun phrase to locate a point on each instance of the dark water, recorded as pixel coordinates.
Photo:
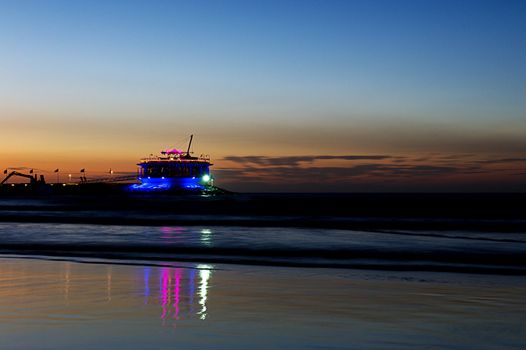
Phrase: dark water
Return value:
(480, 252)
(165, 277)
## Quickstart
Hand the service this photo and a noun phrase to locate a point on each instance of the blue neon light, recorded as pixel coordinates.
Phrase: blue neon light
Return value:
(165, 184)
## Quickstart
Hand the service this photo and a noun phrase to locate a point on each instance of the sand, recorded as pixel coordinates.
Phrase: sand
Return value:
(94, 304)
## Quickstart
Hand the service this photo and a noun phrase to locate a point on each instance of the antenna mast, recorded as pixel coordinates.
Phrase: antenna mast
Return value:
(189, 145)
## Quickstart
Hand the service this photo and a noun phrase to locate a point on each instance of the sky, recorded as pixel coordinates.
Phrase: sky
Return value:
(297, 95)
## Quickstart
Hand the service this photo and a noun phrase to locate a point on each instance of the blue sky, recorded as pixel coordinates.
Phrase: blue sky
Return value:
(235, 68)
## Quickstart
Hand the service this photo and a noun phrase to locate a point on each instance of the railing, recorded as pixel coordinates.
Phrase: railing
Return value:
(202, 158)
(110, 179)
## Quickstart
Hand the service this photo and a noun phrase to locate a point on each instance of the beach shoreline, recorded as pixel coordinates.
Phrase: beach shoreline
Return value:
(147, 306)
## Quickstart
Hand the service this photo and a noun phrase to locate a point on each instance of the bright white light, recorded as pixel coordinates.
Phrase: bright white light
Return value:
(204, 274)
(206, 236)
(206, 178)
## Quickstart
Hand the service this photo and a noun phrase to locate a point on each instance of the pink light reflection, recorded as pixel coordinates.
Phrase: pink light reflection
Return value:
(165, 283)
(172, 233)
(176, 292)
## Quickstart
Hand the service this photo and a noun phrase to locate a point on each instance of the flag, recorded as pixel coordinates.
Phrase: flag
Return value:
(56, 170)
(82, 170)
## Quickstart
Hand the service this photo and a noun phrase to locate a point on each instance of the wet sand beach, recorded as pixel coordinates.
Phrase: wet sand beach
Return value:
(47, 304)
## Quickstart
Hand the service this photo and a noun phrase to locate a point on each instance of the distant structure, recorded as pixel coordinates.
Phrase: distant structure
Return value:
(33, 179)
(174, 170)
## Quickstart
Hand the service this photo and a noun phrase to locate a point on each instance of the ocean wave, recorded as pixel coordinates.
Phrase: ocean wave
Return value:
(457, 251)
(472, 262)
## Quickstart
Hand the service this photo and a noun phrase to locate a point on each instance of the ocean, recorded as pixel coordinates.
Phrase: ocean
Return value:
(177, 273)
(453, 251)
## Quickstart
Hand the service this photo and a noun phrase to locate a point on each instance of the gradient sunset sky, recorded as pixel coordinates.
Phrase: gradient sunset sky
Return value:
(304, 95)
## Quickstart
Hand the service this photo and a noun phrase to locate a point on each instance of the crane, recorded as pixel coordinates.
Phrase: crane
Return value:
(33, 179)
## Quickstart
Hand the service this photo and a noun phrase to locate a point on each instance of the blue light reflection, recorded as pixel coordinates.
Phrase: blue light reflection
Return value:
(165, 184)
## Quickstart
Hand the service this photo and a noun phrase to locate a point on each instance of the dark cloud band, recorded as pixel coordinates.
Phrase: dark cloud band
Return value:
(296, 160)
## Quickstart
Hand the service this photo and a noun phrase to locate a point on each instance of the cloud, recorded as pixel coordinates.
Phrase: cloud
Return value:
(339, 174)
(20, 168)
(502, 161)
(302, 166)
(369, 173)
(296, 160)
(366, 177)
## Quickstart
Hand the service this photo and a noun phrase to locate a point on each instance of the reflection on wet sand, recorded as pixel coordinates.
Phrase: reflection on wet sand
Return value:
(67, 272)
(108, 283)
(68, 305)
(177, 290)
(204, 273)
(181, 293)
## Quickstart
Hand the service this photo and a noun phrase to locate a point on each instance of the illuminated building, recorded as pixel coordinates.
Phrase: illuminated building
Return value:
(174, 170)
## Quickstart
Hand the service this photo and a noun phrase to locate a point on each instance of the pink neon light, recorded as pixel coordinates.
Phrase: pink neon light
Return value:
(173, 151)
